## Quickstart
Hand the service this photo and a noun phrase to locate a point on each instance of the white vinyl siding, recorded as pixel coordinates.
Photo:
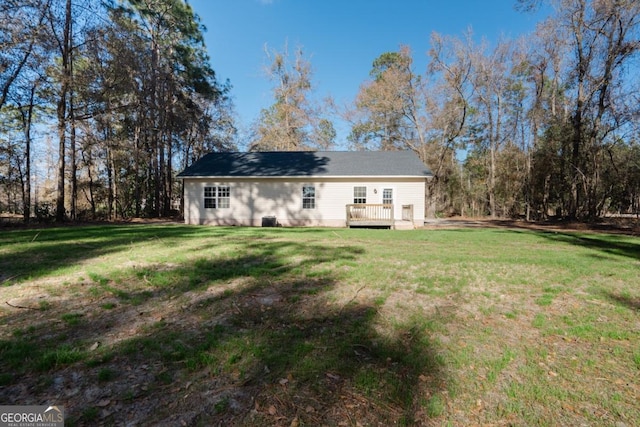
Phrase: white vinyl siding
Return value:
(254, 198)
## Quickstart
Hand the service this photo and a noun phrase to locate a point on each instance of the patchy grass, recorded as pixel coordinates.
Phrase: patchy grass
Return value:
(173, 325)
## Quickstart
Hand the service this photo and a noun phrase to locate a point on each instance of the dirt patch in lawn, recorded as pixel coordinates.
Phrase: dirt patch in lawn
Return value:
(278, 353)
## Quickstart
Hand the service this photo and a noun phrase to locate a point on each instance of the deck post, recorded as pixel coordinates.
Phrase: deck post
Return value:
(393, 222)
(348, 216)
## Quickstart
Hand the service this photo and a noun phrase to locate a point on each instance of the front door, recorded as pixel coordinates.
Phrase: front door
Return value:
(387, 199)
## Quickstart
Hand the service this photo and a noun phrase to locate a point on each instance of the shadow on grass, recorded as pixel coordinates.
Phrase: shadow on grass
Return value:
(38, 252)
(34, 253)
(607, 243)
(285, 352)
(624, 300)
(255, 338)
(613, 240)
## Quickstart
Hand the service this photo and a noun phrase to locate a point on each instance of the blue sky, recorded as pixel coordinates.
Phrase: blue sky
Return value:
(340, 38)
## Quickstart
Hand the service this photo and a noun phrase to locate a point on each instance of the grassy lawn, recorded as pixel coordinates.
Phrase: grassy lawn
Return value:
(186, 325)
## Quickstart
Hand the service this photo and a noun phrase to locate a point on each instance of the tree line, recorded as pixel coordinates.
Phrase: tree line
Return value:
(123, 93)
(545, 125)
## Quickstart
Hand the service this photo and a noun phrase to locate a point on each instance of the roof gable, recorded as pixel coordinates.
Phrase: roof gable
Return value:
(307, 163)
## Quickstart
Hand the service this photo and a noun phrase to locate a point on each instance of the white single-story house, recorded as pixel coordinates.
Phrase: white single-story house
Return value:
(306, 188)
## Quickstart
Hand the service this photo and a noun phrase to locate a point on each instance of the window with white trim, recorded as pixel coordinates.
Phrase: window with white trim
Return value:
(217, 197)
(359, 195)
(308, 197)
(387, 196)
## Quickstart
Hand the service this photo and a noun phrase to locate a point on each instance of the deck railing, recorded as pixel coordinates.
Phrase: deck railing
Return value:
(378, 215)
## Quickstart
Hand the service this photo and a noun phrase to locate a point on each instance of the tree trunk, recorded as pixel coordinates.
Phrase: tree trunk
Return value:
(168, 193)
(113, 182)
(160, 184)
(62, 114)
(154, 175)
(72, 157)
(72, 137)
(90, 198)
(110, 185)
(136, 169)
(27, 117)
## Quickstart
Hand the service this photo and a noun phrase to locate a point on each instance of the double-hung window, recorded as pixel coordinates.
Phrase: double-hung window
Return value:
(359, 195)
(217, 197)
(387, 196)
(308, 197)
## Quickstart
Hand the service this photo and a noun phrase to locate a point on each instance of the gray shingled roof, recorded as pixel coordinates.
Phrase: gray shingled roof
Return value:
(308, 163)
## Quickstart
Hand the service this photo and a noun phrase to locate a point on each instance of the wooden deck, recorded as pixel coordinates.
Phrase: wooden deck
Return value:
(378, 215)
(370, 215)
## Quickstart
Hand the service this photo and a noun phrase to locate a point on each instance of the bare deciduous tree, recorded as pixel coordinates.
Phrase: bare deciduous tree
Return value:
(293, 122)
